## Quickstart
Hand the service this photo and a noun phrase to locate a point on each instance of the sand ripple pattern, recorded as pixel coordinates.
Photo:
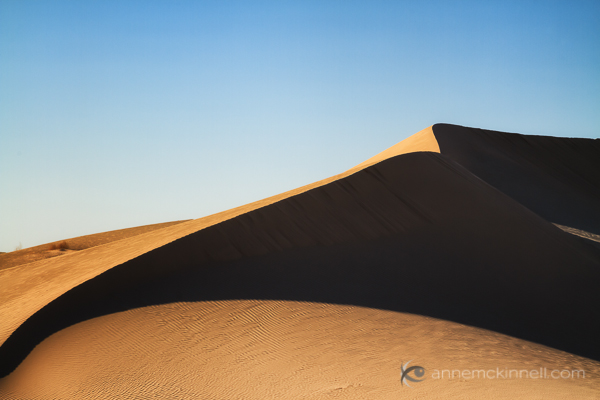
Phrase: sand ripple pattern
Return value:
(280, 350)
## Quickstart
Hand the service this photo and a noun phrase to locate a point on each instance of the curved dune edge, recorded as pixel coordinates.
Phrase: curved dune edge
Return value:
(27, 288)
(421, 141)
(256, 349)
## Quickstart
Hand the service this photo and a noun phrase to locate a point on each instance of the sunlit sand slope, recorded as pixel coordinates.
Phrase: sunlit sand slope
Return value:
(421, 141)
(44, 251)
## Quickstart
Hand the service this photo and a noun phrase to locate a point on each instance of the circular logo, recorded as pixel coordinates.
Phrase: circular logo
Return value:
(411, 374)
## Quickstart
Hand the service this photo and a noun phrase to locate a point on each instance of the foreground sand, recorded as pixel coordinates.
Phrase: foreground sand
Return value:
(285, 350)
(306, 294)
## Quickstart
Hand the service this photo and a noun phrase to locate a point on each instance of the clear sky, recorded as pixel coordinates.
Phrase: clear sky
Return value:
(116, 114)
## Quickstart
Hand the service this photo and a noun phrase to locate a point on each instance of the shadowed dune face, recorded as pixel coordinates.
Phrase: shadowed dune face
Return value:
(557, 178)
(284, 350)
(440, 243)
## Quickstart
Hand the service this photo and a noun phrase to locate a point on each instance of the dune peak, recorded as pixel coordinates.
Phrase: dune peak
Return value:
(421, 141)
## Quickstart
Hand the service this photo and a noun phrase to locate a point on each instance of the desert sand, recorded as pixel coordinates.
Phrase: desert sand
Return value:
(443, 250)
(49, 250)
(274, 349)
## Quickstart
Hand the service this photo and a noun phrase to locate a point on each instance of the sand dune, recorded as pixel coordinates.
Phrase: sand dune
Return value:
(426, 227)
(557, 178)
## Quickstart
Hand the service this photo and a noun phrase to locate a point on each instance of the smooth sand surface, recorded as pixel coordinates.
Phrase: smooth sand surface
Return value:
(418, 232)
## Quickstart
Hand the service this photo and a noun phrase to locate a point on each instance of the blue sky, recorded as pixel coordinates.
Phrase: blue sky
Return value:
(116, 114)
